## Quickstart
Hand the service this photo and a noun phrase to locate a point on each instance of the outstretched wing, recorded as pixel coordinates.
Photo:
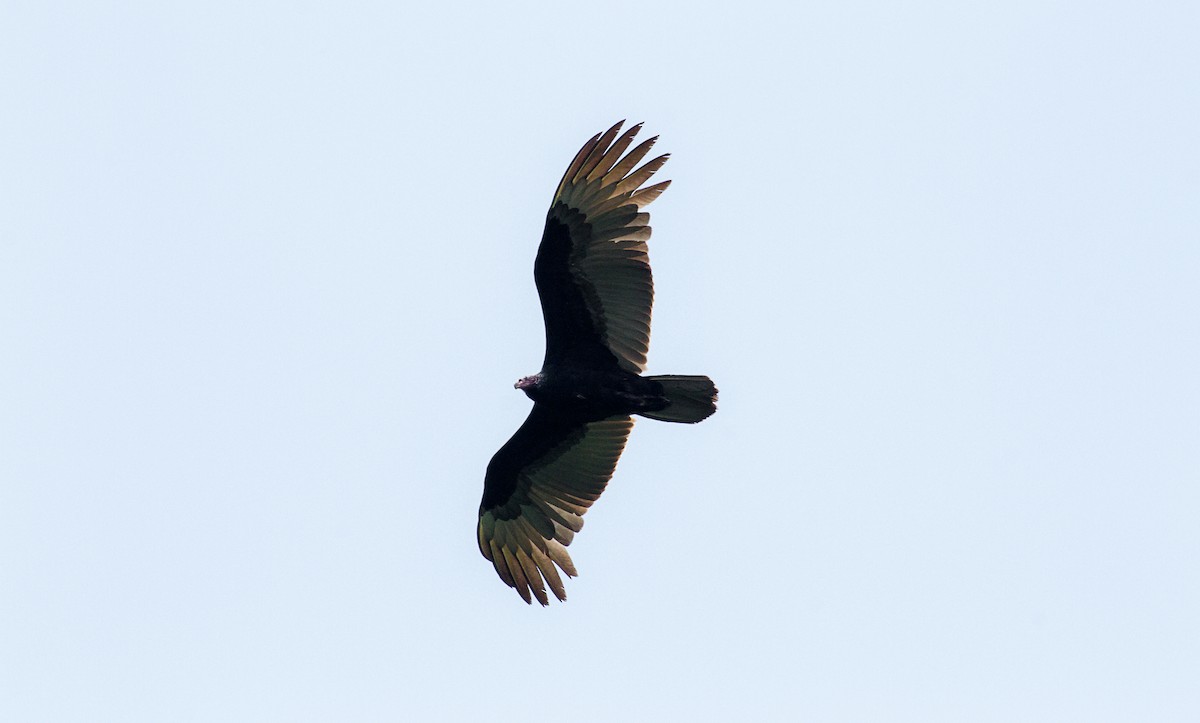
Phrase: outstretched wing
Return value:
(537, 488)
(592, 269)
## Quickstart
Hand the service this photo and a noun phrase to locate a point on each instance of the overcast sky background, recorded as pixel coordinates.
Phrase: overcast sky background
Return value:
(266, 283)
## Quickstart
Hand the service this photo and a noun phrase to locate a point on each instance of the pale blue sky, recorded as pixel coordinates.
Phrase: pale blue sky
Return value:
(266, 283)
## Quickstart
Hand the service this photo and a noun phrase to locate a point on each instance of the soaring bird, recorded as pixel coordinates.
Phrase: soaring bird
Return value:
(593, 278)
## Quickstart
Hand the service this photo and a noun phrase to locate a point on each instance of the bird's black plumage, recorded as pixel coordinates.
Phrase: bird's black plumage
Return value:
(593, 278)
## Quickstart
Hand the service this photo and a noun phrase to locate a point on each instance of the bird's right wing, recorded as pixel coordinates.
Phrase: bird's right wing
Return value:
(537, 488)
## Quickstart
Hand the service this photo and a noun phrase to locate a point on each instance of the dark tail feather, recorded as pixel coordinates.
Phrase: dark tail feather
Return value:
(689, 398)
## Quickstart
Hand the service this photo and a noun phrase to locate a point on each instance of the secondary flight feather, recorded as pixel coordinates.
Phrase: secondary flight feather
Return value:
(593, 278)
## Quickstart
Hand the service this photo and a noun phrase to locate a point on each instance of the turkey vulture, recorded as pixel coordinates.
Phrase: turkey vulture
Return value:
(593, 278)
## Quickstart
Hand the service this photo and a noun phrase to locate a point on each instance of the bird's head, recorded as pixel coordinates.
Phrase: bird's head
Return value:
(528, 383)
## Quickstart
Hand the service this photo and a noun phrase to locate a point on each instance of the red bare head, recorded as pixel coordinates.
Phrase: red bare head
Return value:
(528, 382)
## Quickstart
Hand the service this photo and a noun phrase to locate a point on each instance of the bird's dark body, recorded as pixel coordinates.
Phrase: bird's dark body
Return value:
(593, 278)
(592, 394)
(565, 401)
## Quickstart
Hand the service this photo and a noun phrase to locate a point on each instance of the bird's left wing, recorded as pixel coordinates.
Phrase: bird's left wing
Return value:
(592, 268)
(537, 488)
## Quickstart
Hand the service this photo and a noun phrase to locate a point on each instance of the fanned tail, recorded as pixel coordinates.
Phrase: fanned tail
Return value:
(690, 398)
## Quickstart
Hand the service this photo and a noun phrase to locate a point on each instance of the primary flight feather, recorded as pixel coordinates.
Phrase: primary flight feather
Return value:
(593, 279)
